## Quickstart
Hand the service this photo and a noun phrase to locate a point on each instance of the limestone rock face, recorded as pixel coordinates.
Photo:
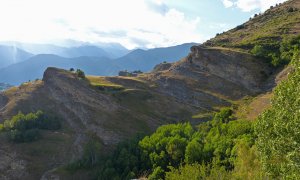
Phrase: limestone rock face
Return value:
(210, 77)
(240, 68)
(162, 67)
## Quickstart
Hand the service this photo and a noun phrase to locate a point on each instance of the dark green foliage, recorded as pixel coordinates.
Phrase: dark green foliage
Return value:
(80, 73)
(290, 9)
(277, 53)
(72, 69)
(158, 174)
(126, 162)
(166, 147)
(172, 146)
(278, 129)
(239, 27)
(25, 128)
(198, 171)
(289, 47)
(23, 136)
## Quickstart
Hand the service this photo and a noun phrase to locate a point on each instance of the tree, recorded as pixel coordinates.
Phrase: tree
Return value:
(72, 69)
(259, 51)
(194, 152)
(278, 129)
(80, 73)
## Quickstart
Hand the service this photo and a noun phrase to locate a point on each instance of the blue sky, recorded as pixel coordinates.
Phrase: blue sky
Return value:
(132, 23)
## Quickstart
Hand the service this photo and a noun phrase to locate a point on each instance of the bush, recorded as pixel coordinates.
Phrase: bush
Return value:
(239, 27)
(290, 9)
(25, 128)
(158, 174)
(278, 129)
(259, 51)
(277, 54)
(80, 73)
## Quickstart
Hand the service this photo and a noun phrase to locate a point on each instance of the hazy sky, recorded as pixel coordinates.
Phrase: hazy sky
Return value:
(132, 23)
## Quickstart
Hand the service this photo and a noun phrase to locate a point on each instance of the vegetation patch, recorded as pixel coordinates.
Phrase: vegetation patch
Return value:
(103, 85)
(25, 128)
(278, 129)
(213, 144)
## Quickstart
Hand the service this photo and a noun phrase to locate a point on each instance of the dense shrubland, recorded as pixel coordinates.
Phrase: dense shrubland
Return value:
(25, 128)
(277, 52)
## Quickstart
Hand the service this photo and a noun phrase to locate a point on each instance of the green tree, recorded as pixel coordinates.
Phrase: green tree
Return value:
(278, 129)
(80, 73)
(194, 152)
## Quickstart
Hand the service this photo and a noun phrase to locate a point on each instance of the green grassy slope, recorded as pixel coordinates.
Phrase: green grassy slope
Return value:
(267, 28)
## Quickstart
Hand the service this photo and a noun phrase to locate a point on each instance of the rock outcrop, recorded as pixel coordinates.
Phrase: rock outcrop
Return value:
(210, 77)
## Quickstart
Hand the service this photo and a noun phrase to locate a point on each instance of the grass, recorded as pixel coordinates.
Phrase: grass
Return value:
(101, 83)
(203, 115)
(267, 28)
(251, 107)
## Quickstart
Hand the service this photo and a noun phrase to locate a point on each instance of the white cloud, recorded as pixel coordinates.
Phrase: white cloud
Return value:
(132, 23)
(250, 5)
(227, 3)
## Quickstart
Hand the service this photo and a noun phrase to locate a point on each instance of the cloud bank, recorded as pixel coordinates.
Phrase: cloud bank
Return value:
(250, 5)
(133, 23)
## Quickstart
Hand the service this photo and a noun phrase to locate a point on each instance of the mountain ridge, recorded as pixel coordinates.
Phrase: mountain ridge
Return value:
(19, 73)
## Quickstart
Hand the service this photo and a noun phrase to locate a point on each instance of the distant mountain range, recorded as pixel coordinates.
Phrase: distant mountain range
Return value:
(11, 55)
(145, 60)
(110, 50)
(91, 59)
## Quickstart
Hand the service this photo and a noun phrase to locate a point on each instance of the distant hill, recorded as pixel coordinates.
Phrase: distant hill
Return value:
(77, 49)
(34, 67)
(145, 60)
(10, 55)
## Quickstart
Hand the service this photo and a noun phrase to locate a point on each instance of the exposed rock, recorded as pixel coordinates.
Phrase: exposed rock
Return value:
(210, 77)
(3, 101)
(11, 165)
(162, 67)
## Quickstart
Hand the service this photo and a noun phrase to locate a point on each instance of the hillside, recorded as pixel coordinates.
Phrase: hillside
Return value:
(108, 110)
(116, 108)
(268, 28)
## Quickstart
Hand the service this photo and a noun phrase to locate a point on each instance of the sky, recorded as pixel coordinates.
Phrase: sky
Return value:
(132, 23)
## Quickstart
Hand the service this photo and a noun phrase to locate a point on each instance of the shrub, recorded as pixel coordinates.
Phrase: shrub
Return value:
(25, 128)
(80, 73)
(239, 27)
(290, 9)
(278, 129)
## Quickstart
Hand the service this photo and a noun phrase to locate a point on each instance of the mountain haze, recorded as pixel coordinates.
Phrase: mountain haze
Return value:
(93, 63)
(11, 55)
